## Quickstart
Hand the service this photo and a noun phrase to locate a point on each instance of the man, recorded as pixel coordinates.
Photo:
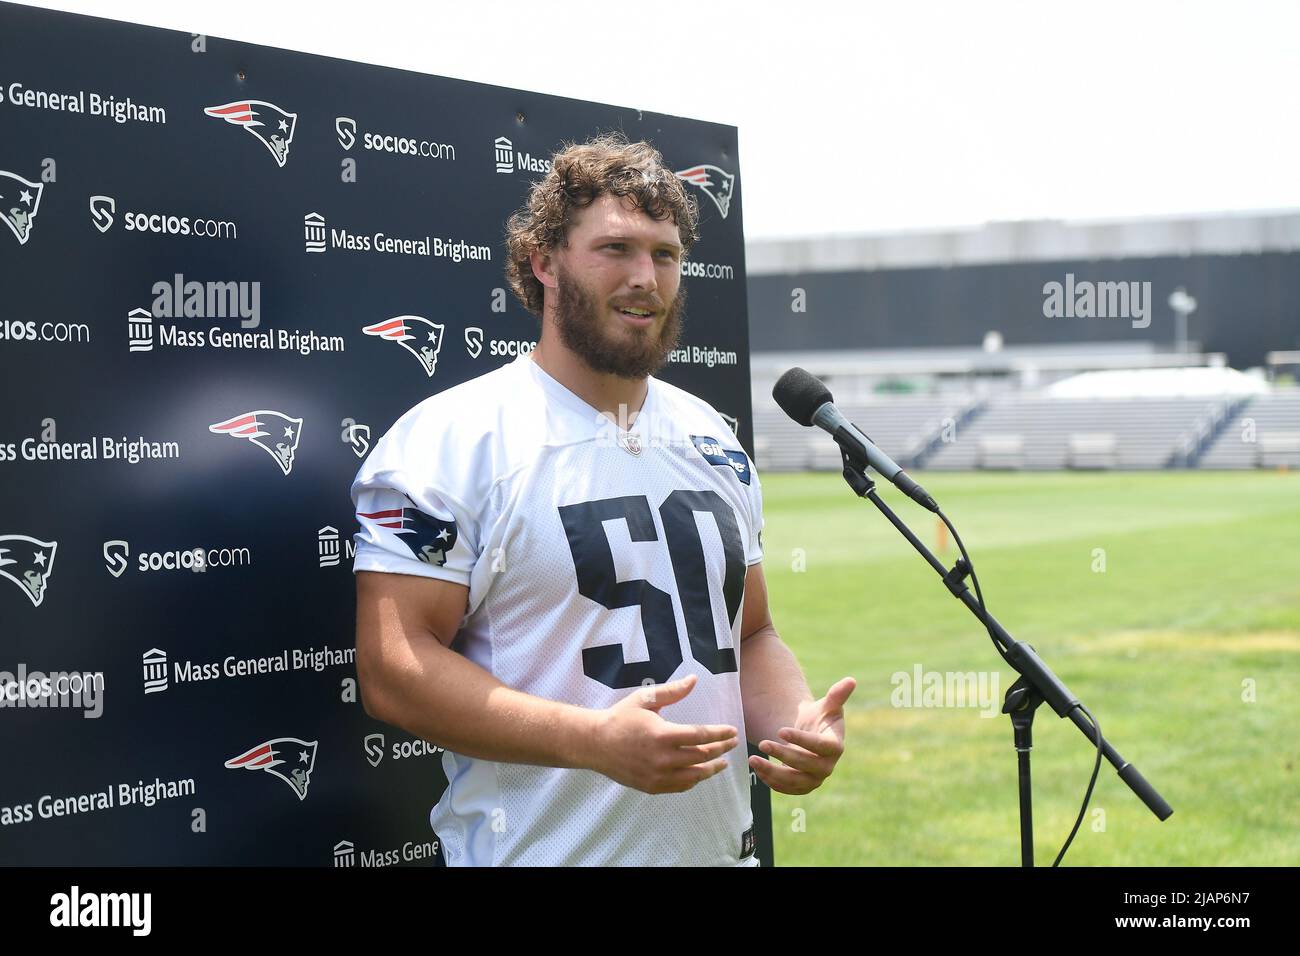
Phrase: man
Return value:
(568, 560)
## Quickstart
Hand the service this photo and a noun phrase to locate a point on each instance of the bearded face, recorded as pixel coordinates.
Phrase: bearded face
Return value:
(592, 329)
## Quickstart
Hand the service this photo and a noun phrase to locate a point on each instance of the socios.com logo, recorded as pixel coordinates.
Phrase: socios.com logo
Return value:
(346, 128)
(102, 209)
(115, 555)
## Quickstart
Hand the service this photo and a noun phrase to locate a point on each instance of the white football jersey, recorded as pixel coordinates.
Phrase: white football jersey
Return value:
(597, 561)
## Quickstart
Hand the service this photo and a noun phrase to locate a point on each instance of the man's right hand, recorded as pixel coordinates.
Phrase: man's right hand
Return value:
(636, 747)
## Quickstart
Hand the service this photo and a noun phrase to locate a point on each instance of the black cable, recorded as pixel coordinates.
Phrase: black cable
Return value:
(1091, 783)
(979, 595)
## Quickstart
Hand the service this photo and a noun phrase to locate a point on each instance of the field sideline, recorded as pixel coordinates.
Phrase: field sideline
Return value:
(1165, 601)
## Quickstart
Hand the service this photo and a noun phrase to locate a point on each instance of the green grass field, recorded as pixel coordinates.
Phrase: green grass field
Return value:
(1198, 604)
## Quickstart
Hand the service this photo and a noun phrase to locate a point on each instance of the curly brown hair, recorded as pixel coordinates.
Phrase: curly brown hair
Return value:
(580, 174)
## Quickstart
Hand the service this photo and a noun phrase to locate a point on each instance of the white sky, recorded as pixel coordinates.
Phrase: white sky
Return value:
(874, 116)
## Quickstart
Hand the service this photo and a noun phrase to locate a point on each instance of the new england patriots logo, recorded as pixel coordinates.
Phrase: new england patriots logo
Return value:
(19, 201)
(281, 431)
(430, 539)
(288, 758)
(716, 183)
(27, 562)
(420, 337)
(270, 124)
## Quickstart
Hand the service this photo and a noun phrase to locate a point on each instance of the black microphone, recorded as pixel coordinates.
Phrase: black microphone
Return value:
(807, 400)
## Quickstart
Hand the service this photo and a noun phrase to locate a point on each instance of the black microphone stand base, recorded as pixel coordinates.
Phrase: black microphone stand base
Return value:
(1020, 703)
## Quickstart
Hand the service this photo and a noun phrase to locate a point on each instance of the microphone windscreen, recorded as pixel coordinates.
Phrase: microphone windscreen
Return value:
(800, 393)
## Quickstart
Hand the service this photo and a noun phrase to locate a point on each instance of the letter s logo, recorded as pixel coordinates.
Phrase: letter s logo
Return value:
(101, 212)
(346, 128)
(474, 341)
(115, 555)
(374, 748)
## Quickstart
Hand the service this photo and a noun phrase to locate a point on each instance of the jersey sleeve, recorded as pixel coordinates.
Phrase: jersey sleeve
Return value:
(415, 510)
(754, 539)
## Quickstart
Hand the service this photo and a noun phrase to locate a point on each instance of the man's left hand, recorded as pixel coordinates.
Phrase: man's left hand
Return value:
(812, 746)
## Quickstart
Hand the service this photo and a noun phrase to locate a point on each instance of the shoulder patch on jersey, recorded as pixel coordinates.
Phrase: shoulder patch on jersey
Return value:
(711, 450)
(428, 538)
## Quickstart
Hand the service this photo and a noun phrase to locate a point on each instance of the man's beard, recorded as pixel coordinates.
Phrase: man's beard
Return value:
(634, 354)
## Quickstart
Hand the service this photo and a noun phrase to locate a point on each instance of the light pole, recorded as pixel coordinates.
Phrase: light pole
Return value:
(1183, 306)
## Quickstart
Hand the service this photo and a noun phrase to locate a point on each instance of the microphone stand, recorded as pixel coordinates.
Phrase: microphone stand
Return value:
(1036, 683)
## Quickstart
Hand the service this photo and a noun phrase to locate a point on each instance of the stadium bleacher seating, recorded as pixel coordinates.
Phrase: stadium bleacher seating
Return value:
(1079, 433)
(1263, 433)
(905, 425)
(1018, 430)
